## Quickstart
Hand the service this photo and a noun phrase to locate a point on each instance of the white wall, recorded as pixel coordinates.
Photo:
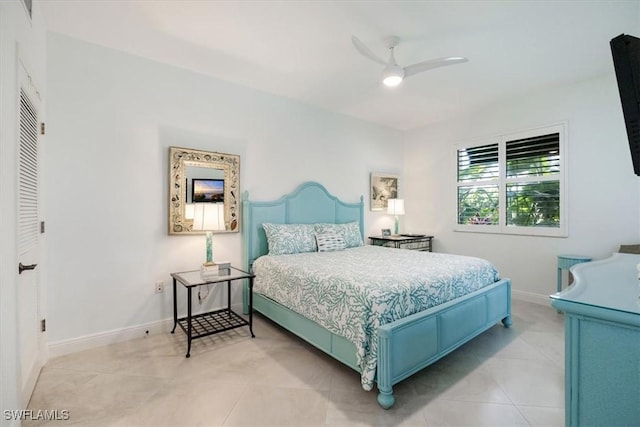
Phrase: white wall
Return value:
(112, 117)
(18, 38)
(603, 191)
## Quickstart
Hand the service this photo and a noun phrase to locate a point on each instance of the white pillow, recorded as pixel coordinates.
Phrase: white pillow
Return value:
(349, 231)
(329, 242)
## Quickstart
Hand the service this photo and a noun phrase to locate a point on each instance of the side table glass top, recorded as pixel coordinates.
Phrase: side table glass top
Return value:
(402, 237)
(194, 278)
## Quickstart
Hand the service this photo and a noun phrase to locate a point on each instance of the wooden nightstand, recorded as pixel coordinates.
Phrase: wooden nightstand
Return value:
(565, 262)
(400, 241)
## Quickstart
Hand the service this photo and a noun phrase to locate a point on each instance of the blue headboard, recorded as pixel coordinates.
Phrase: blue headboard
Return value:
(310, 203)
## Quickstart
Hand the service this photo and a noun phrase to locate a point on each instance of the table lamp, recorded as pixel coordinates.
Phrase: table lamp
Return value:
(395, 207)
(208, 217)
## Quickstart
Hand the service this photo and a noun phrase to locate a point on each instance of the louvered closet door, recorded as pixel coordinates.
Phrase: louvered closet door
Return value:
(31, 343)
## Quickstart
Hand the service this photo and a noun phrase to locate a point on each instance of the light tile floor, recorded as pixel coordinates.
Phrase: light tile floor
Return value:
(505, 377)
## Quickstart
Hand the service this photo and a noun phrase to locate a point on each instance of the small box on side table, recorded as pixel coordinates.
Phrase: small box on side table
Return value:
(214, 270)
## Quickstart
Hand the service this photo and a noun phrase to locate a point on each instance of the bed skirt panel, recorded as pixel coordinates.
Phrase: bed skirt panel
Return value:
(334, 345)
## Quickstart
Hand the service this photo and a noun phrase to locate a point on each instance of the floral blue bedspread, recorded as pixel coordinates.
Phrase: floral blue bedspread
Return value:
(354, 291)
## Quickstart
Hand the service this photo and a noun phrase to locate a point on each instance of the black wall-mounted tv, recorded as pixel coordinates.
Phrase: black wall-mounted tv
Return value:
(626, 61)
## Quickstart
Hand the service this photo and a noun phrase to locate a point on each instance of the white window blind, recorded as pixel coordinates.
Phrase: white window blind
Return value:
(534, 156)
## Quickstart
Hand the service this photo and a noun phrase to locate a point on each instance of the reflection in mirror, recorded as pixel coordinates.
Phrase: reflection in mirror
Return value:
(207, 182)
(197, 176)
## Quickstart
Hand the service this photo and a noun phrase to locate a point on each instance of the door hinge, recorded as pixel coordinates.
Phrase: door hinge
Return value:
(43, 325)
(42, 128)
(41, 227)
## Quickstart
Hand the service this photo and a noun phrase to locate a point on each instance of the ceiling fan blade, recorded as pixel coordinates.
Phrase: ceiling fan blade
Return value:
(365, 51)
(432, 63)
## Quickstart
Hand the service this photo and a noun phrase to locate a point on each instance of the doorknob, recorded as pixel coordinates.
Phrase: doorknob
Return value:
(22, 267)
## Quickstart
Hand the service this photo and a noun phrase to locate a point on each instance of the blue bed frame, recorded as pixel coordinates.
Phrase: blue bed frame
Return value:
(405, 346)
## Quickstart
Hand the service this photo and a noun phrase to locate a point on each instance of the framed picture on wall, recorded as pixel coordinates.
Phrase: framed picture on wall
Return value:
(384, 186)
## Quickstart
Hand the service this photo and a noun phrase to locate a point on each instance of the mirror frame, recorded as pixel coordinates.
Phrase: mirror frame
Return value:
(179, 159)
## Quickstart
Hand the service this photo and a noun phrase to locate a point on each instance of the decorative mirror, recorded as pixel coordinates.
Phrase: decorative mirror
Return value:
(197, 176)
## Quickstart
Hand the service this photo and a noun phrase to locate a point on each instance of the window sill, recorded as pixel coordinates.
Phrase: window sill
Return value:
(513, 230)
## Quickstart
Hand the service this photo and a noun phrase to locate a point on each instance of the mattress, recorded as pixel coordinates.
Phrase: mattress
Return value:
(353, 291)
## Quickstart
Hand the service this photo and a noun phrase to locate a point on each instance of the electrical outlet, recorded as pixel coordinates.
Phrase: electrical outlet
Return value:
(159, 287)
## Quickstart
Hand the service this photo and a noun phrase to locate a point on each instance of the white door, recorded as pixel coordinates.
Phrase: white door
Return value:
(31, 343)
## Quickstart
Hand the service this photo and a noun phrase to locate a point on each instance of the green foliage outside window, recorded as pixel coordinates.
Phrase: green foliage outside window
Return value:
(478, 205)
(534, 204)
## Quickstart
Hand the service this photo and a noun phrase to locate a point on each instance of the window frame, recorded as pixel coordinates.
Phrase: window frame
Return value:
(502, 228)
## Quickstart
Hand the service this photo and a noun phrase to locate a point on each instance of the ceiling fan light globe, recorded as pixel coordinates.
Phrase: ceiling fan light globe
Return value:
(392, 81)
(392, 76)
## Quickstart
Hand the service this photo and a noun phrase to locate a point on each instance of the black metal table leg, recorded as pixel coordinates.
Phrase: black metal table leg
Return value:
(175, 306)
(251, 307)
(189, 322)
(229, 297)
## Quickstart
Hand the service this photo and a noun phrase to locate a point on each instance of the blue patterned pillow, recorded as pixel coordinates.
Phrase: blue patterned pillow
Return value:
(329, 242)
(349, 231)
(290, 238)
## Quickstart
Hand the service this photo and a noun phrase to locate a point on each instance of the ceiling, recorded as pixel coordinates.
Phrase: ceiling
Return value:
(302, 49)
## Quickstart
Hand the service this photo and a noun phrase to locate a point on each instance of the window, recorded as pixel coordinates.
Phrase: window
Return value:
(514, 183)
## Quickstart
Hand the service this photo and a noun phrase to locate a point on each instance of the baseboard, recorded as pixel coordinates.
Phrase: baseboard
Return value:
(530, 297)
(86, 342)
(30, 383)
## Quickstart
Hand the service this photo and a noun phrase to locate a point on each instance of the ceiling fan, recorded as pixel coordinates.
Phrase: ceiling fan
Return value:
(393, 74)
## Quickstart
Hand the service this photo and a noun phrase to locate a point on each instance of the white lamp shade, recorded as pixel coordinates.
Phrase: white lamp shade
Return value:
(395, 207)
(189, 211)
(208, 216)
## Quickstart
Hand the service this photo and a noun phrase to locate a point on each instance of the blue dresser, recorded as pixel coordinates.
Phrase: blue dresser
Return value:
(602, 342)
